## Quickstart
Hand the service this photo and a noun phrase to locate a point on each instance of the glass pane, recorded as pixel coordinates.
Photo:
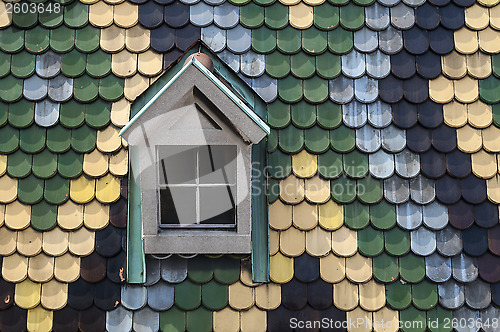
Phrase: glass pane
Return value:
(178, 206)
(218, 164)
(177, 164)
(217, 205)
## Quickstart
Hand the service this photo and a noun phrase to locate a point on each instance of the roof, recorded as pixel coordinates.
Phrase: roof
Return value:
(396, 99)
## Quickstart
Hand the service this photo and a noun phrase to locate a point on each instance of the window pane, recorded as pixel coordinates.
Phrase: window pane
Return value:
(217, 205)
(178, 206)
(218, 164)
(177, 164)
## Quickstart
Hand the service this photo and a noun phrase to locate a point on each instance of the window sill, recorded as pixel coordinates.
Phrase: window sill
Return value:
(200, 242)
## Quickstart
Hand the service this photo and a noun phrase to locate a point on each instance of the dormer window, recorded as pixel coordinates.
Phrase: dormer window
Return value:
(190, 145)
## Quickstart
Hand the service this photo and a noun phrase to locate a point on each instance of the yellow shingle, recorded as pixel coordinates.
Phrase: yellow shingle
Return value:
(331, 215)
(455, 114)
(120, 112)
(484, 164)
(466, 90)
(292, 190)
(441, 89)
(70, 215)
(3, 161)
(345, 295)
(29, 242)
(27, 294)
(292, 242)
(314, 2)
(289, 2)
(134, 86)
(280, 215)
(358, 268)
(55, 242)
(495, 17)
(466, 41)
(82, 190)
(391, 317)
(101, 14)
(469, 139)
(344, 242)
(8, 243)
(5, 18)
(268, 296)
(489, 40)
(41, 268)
(39, 319)
(226, 320)
(108, 189)
(113, 39)
(124, 64)
(301, 16)
(305, 215)
(371, 295)
(280, 269)
(54, 295)
(95, 163)
(253, 320)
(150, 63)
(318, 242)
(274, 241)
(15, 268)
(317, 190)
(246, 273)
(17, 215)
(488, 3)
(477, 17)
(360, 315)
(81, 242)
(332, 268)
(241, 297)
(108, 139)
(493, 186)
(454, 65)
(8, 189)
(304, 164)
(479, 114)
(126, 15)
(479, 65)
(118, 163)
(491, 141)
(67, 268)
(96, 215)
(137, 39)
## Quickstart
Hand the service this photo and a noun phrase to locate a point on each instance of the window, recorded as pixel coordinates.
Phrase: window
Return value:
(197, 186)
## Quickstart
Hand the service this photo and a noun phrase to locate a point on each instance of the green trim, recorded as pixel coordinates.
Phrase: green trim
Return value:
(260, 224)
(251, 114)
(136, 260)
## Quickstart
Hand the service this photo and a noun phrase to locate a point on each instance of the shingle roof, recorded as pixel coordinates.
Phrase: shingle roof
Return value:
(384, 121)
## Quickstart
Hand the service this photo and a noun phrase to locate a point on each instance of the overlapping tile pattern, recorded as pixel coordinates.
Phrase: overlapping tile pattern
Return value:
(383, 161)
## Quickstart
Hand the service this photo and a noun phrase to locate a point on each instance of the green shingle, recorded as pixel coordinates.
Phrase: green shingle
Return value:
(4, 113)
(62, 39)
(187, 295)
(72, 114)
(442, 317)
(70, 164)
(43, 216)
(370, 190)
(11, 39)
(83, 139)
(87, 39)
(199, 320)
(412, 268)
(342, 139)
(51, 19)
(397, 241)
(4, 64)
(19, 164)
(32, 139)
(339, 2)
(364, 2)
(398, 295)
(98, 64)
(290, 89)
(36, 40)
(385, 267)
(226, 270)
(326, 16)
(111, 88)
(85, 89)
(496, 114)
(425, 295)
(412, 320)
(314, 41)
(11, 89)
(76, 15)
(22, 65)
(291, 139)
(278, 114)
(56, 190)
(356, 214)
(73, 63)
(317, 140)
(21, 114)
(328, 65)
(383, 215)
(200, 269)
(97, 114)
(30, 190)
(25, 19)
(370, 242)
(45, 164)
(251, 15)
(272, 140)
(276, 16)
(303, 65)
(9, 140)
(352, 17)
(356, 164)
(495, 63)
(303, 114)
(277, 64)
(340, 41)
(489, 90)
(173, 320)
(289, 40)
(263, 40)
(279, 164)
(58, 139)
(329, 115)
(330, 164)
(315, 89)
(214, 296)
